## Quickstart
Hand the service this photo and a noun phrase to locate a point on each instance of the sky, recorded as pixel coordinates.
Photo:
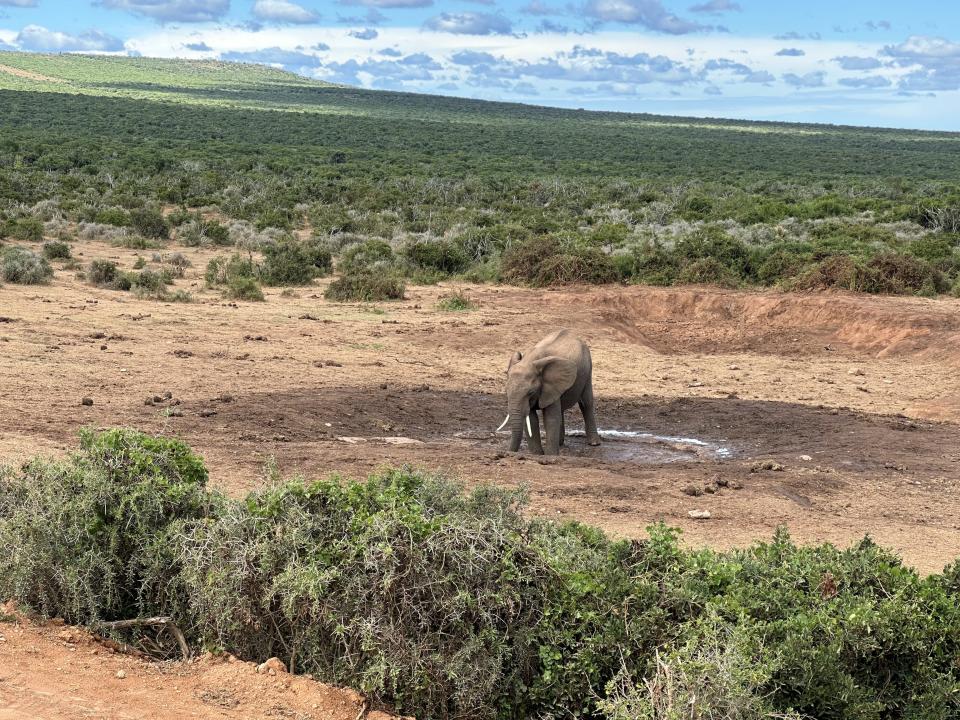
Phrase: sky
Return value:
(879, 63)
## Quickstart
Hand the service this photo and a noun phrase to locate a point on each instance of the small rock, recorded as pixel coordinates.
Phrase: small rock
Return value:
(225, 398)
(767, 465)
(148, 401)
(692, 490)
(167, 395)
(98, 335)
(273, 666)
(806, 458)
(69, 635)
(856, 371)
(103, 347)
(183, 353)
(383, 386)
(710, 489)
(736, 485)
(721, 482)
(733, 367)
(175, 412)
(121, 674)
(87, 402)
(699, 514)
(207, 413)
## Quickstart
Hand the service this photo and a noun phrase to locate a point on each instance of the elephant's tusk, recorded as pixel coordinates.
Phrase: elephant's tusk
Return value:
(529, 429)
(505, 420)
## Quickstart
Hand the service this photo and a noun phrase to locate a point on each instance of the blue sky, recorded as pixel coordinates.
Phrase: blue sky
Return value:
(879, 63)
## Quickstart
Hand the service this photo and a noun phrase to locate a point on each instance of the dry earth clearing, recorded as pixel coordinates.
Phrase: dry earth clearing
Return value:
(856, 397)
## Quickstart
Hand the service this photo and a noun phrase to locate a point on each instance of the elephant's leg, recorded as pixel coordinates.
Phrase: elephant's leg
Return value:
(589, 415)
(553, 422)
(533, 441)
(563, 429)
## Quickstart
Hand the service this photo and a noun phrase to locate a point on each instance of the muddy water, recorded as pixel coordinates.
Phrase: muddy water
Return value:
(628, 446)
(645, 448)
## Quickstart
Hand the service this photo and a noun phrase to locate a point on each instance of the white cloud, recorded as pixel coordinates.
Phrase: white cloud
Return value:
(648, 13)
(283, 11)
(18, 3)
(389, 3)
(172, 10)
(470, 23)
(715, 7)
(40, 39)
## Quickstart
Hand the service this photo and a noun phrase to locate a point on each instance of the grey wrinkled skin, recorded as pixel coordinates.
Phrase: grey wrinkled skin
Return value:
(553, 376)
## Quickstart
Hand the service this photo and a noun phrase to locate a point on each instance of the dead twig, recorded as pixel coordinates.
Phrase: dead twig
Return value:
(153, 621)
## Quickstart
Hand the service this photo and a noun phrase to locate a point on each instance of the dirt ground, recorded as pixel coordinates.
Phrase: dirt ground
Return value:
(857, 398)
(52, 672)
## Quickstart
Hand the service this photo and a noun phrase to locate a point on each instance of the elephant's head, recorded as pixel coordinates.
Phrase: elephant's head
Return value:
(533, 384)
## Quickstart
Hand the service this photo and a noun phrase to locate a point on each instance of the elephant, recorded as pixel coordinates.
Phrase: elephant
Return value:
(552, 376)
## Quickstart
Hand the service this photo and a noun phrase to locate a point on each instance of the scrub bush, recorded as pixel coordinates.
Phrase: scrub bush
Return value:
(365, 287)
(24, 267)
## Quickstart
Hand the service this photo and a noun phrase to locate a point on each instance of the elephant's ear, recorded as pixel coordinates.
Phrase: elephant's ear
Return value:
(515, 358)
(559, 375)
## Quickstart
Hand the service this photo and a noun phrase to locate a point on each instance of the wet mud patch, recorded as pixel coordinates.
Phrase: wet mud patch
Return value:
(648, 430)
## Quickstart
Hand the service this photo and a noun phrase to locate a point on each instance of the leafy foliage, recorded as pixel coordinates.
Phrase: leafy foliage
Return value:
(56, 250)
(83, 535)
(292, 262)
(365, 287)
(456, 302)
(23, 266)
(452, 604)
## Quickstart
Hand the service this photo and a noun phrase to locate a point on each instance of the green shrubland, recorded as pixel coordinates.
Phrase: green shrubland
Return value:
(447, 603)
(427, 188)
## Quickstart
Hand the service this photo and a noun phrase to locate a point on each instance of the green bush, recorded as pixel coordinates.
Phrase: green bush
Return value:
(446, 604)
(106, 274)
(200, 232)
(56, 250)
(220, 270)
(899, 274)
(94, 537)
(236, 276)
(294, 262)
(713, 244)
(149, 223)
(708, 271)
(244, 288)
(442, 256)
(24, 267)
(151, 280)
(370, 254)
(365, 287)
(456, 302)
(544, 260)
(117, 217)
(25, 230)
(781, 263)
(651, 264)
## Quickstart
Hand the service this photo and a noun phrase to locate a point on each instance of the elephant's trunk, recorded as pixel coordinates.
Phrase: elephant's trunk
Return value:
(517, 416)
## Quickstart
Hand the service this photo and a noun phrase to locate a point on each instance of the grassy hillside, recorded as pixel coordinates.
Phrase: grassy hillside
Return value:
(104, 136)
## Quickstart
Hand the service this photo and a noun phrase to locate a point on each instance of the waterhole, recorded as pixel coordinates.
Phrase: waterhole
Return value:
(627, 446)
